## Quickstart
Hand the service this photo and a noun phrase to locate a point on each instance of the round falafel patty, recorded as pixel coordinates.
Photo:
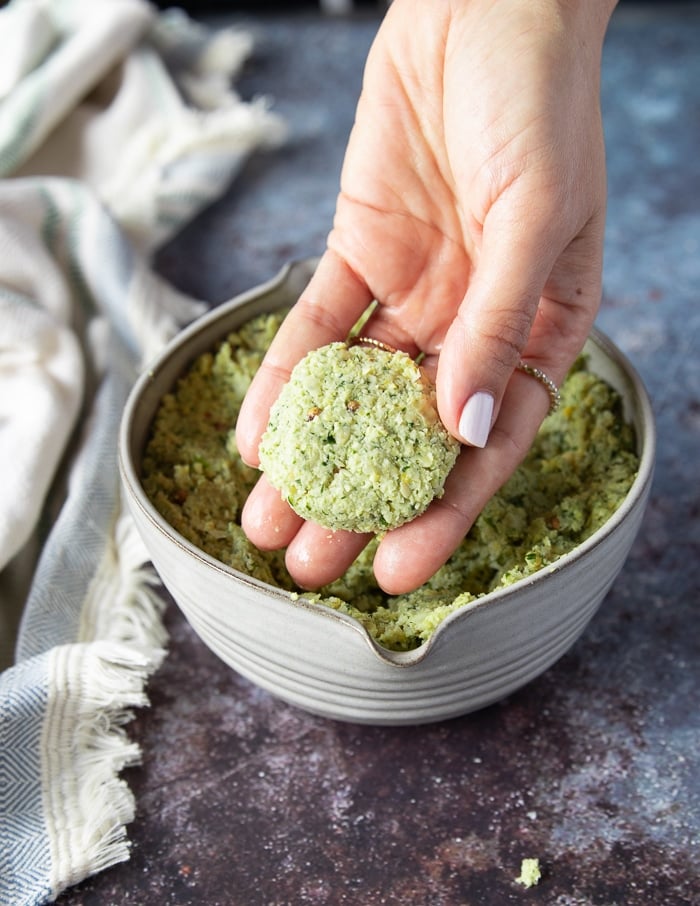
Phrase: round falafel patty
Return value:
(354, 440)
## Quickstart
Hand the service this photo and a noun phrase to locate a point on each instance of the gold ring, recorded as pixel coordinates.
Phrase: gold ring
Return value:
(370, 341)
(546, 381)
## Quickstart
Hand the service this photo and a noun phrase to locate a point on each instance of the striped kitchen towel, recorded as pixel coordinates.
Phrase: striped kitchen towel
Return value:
(118, 123)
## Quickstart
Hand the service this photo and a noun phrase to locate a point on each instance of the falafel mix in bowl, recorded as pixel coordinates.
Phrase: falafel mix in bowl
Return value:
(578, 471)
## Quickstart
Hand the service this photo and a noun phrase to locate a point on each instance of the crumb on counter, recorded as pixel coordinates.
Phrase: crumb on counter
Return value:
(530, 873)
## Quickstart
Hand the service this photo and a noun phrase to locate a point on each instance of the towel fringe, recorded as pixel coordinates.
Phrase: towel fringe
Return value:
(122, 603)
(94, 687)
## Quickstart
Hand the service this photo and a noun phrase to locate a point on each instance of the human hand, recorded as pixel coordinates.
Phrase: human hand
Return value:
(472, 207)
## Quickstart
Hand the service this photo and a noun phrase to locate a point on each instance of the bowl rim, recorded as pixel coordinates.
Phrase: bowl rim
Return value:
(297, 273)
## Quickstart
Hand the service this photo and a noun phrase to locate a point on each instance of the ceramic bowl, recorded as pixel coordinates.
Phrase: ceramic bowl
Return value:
(324, 661)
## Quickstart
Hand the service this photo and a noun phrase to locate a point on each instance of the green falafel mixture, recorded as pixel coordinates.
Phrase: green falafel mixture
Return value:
(575, 476)
(354, 440)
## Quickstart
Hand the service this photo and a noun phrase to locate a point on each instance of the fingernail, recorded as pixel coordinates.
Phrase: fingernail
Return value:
(475, 420)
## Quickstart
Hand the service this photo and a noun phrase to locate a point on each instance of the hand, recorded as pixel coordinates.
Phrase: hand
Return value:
(472, 207)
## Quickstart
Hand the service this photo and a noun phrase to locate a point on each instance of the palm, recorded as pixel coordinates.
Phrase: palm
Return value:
(397, 220)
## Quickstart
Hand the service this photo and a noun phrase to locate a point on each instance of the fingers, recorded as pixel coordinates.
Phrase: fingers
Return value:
(318, 556)
(484, 342)
(530, 298)
(496, 323)
(315, 555)
(267, 520)
(326, 311)
(408, 556)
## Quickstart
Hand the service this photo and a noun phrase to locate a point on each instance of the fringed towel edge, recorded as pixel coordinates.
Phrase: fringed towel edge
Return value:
(94, 685)
(122, 603)
(93, 689)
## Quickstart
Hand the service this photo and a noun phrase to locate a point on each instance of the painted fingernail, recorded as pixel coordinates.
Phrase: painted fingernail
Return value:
(475, 420)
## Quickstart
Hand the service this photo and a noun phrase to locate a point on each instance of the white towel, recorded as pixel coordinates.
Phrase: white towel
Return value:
(117, 125)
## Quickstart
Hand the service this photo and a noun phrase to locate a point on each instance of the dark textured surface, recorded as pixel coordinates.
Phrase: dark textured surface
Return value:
(593, 768)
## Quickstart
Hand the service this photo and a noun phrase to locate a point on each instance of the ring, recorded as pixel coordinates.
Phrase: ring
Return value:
(370, 341)
(546, 381)
(536, 373)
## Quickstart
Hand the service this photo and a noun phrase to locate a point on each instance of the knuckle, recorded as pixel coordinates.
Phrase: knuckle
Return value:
(319, 316)
(278, 373)
(503, 335)
(512, 450)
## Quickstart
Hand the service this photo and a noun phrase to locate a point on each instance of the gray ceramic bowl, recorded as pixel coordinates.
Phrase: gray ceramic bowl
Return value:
(324, 661)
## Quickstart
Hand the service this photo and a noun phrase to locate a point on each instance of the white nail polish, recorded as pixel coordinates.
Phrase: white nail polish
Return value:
(475, 420)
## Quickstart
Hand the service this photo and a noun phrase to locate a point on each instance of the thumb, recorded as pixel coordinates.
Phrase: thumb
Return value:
(486, 340)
